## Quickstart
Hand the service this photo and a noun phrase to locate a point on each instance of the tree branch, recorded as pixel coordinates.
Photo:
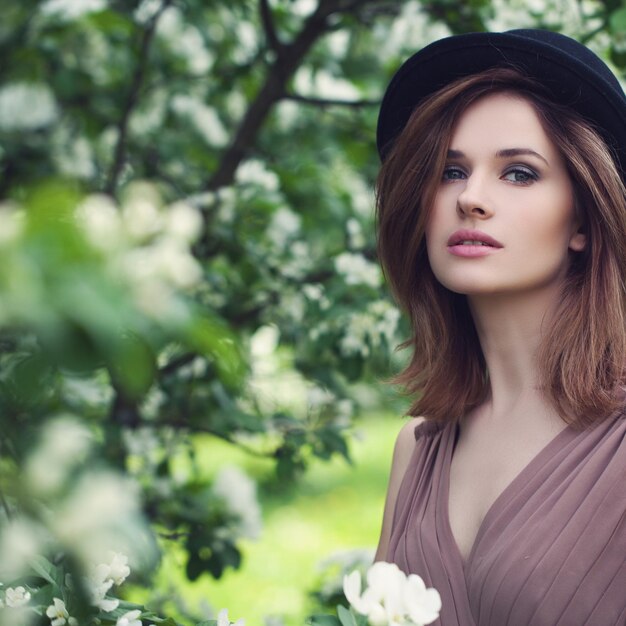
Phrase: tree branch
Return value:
(288, 59)
(268, 27)
(203, 429)
(324, 102)
(177, 363)
(119, 155)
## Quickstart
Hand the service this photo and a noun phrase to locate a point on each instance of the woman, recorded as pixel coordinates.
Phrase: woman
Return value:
(502, 232)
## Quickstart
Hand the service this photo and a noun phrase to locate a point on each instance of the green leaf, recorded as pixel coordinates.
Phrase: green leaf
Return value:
(323, 620)
(133, 364)
(346, 617)
(212, 338)
(617, 21)
(169, 621)
(45, 569)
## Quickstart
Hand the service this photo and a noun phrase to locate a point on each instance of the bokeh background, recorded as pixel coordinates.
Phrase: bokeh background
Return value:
(194, 332)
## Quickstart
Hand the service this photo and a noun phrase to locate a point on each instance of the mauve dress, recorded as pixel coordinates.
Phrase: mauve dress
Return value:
(551, 549)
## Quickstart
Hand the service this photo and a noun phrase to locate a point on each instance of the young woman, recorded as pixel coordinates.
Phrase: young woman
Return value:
(502, 232)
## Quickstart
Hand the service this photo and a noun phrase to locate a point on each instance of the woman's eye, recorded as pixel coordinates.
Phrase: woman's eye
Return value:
(520, 175)
(453, 173)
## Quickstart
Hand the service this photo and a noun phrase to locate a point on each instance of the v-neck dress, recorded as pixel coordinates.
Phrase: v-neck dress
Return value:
(551, 549)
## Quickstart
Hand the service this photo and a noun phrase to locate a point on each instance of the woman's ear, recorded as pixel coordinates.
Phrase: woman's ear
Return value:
(578, 241)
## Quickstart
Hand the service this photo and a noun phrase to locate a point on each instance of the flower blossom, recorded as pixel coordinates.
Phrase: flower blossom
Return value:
(26, 106)
(118, 567)
(238, 491)
(129, 619)
(392, 598)
(222, 619)
(16, 598)
(357, 270)
(98, 584)
(58, 614)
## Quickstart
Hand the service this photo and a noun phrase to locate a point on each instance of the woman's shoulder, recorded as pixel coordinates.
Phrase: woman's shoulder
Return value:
(417, 429)
(405, 441)
(427, 428)
(411, 441)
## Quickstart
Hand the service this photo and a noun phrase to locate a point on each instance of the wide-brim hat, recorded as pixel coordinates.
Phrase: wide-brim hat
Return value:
(572, 74)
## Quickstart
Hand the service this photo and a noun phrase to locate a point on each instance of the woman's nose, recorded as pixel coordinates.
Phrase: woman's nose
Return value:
(473, 200)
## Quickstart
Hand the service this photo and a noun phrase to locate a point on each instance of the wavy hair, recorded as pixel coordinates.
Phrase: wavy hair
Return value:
(583, 356)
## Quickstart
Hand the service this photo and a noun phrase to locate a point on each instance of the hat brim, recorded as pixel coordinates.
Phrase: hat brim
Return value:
(575, 80)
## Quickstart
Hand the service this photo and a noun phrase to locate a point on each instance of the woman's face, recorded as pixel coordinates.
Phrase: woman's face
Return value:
(503, 218)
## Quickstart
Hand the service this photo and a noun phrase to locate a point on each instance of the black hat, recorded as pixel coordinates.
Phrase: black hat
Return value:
(574, 75)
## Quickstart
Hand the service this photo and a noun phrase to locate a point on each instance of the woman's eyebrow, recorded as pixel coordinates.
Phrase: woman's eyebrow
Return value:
(512, 152)
(455, 154)
(502, 154)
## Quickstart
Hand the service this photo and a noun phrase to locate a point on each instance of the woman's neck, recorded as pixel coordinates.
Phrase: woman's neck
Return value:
(511, 328)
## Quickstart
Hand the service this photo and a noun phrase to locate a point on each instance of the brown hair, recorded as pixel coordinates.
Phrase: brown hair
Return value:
(582, 359)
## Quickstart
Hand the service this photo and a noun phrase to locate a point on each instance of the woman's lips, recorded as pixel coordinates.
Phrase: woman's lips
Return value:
(472, 243)
(466, 250)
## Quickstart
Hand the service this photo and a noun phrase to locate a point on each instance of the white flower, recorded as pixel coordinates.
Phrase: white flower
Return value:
(142, 218)
(357, 332)
(356, 269)
(338, 43)
(149, 115)
(65, 442)
(183, 222)
(239, 493)
(129, 619)
(26, 106)
(12, 221)
(318, 397)
(102, 513)
(254, 172)
(73, 155)
(182, 38)
(284, 225)
(292, 305)
(20, 542)
(16, 598)
(100, 219)
(313, 292)
(118, 567)
(324, 85)
(247, 37)
(71, 9)
(146, 10)
(222, 619)
(98, 584)
(101, 579)
(303, 8)
(176, 264)
(423, 605)
(387, 322)
(355, 233)
(298, 263)
(58, 614)
(203, 117)
(392, 598)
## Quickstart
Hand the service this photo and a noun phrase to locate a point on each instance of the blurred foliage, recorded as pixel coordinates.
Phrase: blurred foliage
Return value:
(237, 294)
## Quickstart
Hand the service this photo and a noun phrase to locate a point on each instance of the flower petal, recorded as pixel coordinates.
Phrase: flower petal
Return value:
(352, 591)
(222, 618)
(422, 605)
(377, 616)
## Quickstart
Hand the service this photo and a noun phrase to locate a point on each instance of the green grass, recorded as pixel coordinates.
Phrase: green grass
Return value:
(334, 507)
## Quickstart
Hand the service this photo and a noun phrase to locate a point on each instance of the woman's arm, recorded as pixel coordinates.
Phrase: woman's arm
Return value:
(403, 449)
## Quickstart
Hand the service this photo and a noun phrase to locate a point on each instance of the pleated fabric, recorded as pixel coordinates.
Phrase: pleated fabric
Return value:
(551, 550)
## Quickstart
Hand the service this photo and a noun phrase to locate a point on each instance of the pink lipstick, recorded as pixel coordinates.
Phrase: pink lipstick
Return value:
(472, 243)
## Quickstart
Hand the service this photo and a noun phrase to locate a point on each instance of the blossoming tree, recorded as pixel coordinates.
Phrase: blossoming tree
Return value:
(138, 316)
